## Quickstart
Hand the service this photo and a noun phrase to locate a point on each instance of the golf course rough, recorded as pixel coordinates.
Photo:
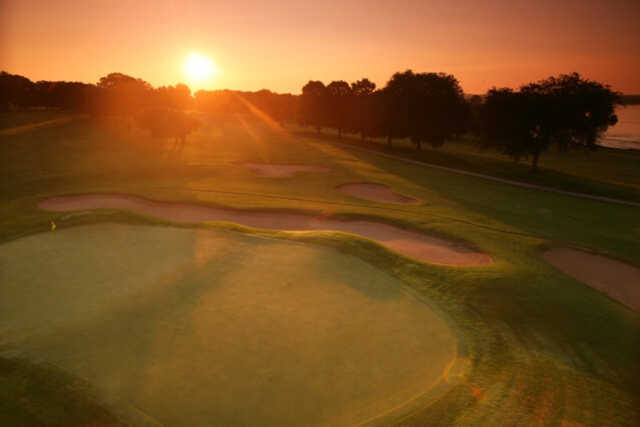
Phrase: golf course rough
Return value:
(375, 192)
(410, 243)
(194, 325)
(274, 170)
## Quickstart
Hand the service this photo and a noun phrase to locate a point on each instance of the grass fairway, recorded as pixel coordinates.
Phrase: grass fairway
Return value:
(604, 172)
(18, 122)
(192, 326)
(542, 347)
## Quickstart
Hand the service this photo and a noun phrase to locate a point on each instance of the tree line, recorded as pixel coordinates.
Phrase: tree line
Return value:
(426, 108)
(567, 111)
(120, 94)
(423, 107)
(115, 93)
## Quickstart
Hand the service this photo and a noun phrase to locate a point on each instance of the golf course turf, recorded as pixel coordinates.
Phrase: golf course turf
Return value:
(200, 325)
(280, 170)
(375, 192)
(535, 346)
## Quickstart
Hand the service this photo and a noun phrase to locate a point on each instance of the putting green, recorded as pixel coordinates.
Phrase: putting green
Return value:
(204, 327)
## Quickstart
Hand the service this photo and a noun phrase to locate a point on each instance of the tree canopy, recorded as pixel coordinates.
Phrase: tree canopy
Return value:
(313, 104)
(426, 107)
(339, 103)
(565, 111)
(124, 94)
(363, 114)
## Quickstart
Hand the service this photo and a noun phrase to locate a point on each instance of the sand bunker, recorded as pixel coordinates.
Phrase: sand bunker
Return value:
(410, 243)
(201, 327)
(618, 280)
(274, 170)
(375, 192)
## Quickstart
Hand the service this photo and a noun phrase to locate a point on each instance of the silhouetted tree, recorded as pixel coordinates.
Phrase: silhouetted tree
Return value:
(339, 105)
(283, 108)
(426, 107)
(183, 125)
(509, 122)
(268, 106)
(123, 94)
(362, 108)
(15, 91)
(214, 102)
(379, 121)
(166, 123)
(564, 111)
(313, 103)
(630, 99)
(278, 107)
(73, 96)
(176, 97)
(475, 104)
(18, 92)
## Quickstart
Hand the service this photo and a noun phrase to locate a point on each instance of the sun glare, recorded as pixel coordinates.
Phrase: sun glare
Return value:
(199, 68)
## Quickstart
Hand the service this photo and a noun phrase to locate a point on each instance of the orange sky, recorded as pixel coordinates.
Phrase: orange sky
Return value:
(280, 45)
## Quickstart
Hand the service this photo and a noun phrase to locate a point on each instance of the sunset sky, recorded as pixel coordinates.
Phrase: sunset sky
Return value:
(280, 45)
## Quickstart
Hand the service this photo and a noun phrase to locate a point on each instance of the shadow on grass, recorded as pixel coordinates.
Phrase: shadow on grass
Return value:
(43, 395)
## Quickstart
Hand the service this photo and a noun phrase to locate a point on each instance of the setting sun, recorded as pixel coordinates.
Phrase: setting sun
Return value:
(199, 68)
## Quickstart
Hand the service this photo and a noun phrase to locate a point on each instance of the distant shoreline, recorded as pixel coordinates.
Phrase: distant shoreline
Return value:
(631, 99)
(625, 135)
(619, 144)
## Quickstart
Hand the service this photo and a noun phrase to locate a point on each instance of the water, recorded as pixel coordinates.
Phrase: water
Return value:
(626, 133)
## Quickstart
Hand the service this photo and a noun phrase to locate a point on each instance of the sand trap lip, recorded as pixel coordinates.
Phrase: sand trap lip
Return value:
(618, 280)
(375, 192)
(410, 243)
(281, 170)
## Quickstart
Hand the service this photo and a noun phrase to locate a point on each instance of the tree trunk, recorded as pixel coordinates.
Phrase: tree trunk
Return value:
(389, 140)
(534, 162)
(419, 145)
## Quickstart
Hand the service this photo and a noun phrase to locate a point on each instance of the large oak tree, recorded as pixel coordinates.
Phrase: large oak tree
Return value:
(566, 111)
(426, 107)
